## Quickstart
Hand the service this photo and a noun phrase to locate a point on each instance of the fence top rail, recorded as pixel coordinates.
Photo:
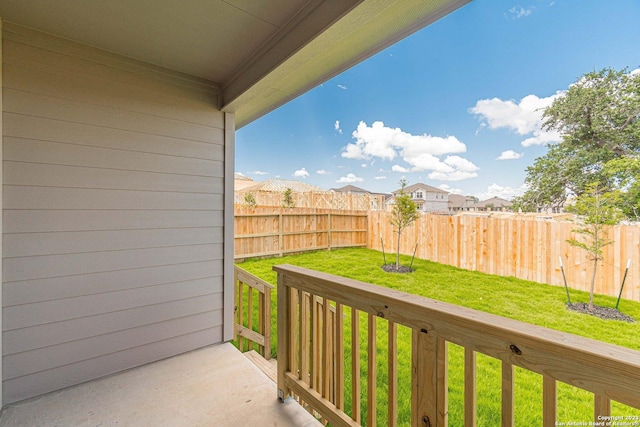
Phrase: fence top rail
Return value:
(253, 281)
(602, 368)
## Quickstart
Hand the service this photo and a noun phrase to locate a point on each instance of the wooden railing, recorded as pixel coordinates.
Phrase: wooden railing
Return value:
(252, 315)
(312, 346)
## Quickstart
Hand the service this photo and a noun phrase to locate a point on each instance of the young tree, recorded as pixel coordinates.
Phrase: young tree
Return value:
(250, 200)
(404, 212)
(599, 210)
(287, 199)
(599, 120)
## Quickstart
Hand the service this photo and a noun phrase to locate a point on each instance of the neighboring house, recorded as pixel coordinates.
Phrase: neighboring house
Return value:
(118, 135)
(352, 189)
(276, 185)
(459, 203)
(493, 204)
(427, 198)
(240, 182)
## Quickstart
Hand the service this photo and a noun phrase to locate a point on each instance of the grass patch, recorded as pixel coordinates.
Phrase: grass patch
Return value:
(530, 302)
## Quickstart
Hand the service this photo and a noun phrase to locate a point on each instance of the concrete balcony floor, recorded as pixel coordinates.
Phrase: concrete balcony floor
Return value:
(214, 386)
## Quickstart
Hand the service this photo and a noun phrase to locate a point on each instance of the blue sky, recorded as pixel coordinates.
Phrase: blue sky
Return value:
(456, 105)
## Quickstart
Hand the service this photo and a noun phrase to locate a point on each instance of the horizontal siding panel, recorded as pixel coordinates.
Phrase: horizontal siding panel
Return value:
(27, 315)
(34, 174)
(68, 375)
(26, 339)
(20, 102)
(32, 244)
(26, 150)
(38, 290)
(17, 197)
(25, 221)
(40, 267)
(76, 351)
(43, 129)
(108, 87)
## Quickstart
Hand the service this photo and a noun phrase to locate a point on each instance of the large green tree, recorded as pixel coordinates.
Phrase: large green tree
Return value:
(598, 118)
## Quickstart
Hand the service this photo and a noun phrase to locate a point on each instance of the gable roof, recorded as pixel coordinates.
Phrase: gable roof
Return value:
(257, 55)
(458, 201)
(420, 186)
(350, 189)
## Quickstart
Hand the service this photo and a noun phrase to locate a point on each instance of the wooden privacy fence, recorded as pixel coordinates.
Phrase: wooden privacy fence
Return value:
(252, 314)
(317, 200)
(525, 248)
(313, 369)
(265, 232)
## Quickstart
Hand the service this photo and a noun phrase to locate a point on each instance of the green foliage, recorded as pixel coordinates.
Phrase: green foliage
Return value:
(599, 120)
(598, 209)
(287, 199)
(403, 214)
(250, 200)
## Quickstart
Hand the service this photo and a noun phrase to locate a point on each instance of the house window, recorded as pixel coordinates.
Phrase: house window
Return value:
(419, 195)
(419, 206)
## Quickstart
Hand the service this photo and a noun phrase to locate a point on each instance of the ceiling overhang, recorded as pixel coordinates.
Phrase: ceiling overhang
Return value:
(259, 54)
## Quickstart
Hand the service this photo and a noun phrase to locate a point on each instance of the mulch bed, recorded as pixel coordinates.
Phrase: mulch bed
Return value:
(601, 312)
(391, 268)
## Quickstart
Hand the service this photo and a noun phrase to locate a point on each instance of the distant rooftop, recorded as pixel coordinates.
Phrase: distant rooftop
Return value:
(421, 186)
(280, 186)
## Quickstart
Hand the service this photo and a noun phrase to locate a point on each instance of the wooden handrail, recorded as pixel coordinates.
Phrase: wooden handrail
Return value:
(611, 372)
(245, 330)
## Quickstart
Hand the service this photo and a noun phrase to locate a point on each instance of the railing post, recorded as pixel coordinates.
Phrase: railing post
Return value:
(424, 399)
(284, 342)
(266, 322)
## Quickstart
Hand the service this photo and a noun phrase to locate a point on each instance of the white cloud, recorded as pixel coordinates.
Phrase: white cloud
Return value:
(349, 179)
(398, 168)
(364, 165)
(322, 172)
(445, 187)
(524, 117)
(496, 190)
(509, 155)
(517, 12)
(420, 152)
(343, 87)
(301, 173)
(380, 177)
(336, 126)
(635, 72)
(260, 173)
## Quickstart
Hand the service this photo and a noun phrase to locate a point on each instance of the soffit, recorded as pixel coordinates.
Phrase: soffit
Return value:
(259, 53)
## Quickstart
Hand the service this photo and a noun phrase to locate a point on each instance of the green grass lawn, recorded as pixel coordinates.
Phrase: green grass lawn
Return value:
(531, 302)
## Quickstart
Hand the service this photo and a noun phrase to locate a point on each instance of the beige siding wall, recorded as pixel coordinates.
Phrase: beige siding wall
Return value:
(113, 214)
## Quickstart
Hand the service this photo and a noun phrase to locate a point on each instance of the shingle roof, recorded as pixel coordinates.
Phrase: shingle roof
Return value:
(350, 189)
(497, 202)
(280, 185)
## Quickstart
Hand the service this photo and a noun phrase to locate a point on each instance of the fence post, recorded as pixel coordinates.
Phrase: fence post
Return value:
(329, 231)
(284, 341)
(280, 241)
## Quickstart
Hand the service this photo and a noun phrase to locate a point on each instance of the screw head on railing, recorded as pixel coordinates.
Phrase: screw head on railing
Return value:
(380, 314)
(426, 421)
(514, 349)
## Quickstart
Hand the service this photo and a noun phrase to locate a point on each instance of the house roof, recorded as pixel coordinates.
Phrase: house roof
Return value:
(496, 202)
(280, 186)
(256, 55)
(420, 186)
(350, 189)
(458, 201)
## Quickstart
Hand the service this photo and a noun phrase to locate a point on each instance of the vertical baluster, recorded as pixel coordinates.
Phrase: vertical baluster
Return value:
(371, 370)
(442, 380)
(317, 337)
(549, 402)
(250, 343)
(293, 322)
(508, 416)
(355, 365)
(303, 373)
(326, 348)
(392, 358)
(339, 357)
(314, 344)
(261, 330)
(601, 407)
(469, 388)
